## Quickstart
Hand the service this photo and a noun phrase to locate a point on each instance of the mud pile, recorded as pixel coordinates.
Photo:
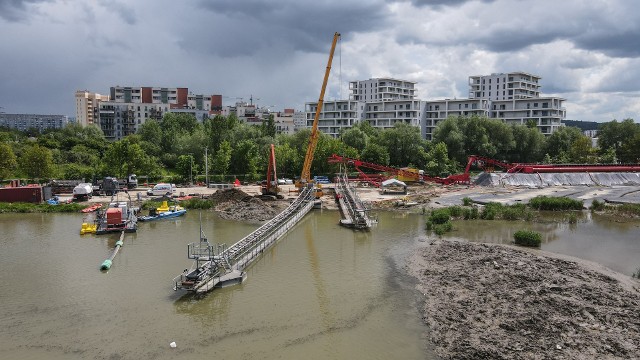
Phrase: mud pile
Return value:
(234, 204)
(485, 301)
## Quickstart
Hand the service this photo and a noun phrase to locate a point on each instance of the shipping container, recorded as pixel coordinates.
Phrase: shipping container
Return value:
(29, 194)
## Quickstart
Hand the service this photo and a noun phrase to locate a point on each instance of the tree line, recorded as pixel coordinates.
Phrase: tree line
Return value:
(173, 148)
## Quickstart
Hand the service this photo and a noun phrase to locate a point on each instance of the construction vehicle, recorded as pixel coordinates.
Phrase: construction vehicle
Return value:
(270, 188)
(305, 178)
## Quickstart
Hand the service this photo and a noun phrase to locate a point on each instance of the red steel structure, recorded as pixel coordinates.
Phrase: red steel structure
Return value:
(481, 162)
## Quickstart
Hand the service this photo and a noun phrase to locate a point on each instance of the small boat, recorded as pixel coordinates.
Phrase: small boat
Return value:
(92, 208)
(119, 216)
(165, 211)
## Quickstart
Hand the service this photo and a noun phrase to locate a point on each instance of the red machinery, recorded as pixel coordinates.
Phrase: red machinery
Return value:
(270, 189)
(525, 168)
(376, 179)
(481, 162)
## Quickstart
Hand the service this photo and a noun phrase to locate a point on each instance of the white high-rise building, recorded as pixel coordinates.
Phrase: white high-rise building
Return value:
(513, 98)
(383, 102)
(499, 86)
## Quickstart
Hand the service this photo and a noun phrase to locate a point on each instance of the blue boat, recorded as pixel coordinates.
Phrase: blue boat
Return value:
(164, 212)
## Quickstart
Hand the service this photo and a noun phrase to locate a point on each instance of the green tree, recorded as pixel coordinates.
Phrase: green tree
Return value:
(630, 150)
(376, 154)
(356, 138)
(186, 168)
(244, 159)
(559, 143)
(615, 134)
(222, 158)
(404, 145)
(124, 157)
(37, 162)
(449, 133)
(268, 126)
(608, 156)
(8, 161)
(438, 163)
(528, 144)
(581, 151)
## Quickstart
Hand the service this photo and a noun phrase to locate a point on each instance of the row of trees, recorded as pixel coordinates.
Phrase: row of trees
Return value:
(175, 147)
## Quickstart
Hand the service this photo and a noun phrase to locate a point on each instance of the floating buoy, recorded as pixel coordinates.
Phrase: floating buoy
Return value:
(173, 344)
(88, 228)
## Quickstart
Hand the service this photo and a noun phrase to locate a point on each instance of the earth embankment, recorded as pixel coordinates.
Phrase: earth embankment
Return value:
(484, 301)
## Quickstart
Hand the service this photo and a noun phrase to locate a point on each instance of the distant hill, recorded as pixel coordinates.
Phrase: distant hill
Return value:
(583, 125)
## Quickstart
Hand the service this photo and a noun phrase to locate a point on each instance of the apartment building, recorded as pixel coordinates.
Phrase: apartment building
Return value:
(514, 98)
(509, 86)
(129, 107)
(438, 110)
(87, 105)
(24, 122)
(383, 102)
(547, 112)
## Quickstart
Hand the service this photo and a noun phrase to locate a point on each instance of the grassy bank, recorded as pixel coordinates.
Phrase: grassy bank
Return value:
(626, 210)
(440, 220)
(19, 207)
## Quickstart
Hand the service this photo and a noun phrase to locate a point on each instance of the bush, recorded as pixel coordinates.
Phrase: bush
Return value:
(470, 213)
(440, 216)
(555, 203)
(455, 211)
(466, 201)
(491, 211)
(196, 203)
(527, 238)
(440, 229)
(597, 205)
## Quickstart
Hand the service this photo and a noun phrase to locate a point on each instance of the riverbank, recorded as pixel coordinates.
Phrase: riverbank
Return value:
(486, 301)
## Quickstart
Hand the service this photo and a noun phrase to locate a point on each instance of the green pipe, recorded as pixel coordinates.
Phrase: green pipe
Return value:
(106, 265)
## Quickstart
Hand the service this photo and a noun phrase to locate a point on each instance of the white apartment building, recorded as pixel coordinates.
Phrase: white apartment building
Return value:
(499, 86)
(547, 112)
(383, 102)
(438, 110)
(119, 119)
(513, 98)
(129, 107)
(24, 122)
(87, 105)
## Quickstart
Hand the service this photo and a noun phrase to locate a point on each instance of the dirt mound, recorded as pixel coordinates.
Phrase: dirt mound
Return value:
(222, 196)
(497, 302)
(234, 204)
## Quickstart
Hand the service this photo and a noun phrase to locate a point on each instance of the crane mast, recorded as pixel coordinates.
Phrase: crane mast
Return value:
(313, 139)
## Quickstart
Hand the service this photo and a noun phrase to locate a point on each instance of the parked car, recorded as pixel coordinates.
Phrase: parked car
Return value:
(285, 181)
(321, 180)
(162, 189)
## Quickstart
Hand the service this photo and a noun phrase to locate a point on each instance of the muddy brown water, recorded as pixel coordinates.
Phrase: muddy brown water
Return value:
(323, 292)
(611, 241)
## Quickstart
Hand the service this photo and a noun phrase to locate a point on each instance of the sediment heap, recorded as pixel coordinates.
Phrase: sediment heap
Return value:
(490, 301)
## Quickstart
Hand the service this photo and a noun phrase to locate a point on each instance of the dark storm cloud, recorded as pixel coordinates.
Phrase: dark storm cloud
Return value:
(15, 10)
(303, 26)
(616, 44)
(441, 3)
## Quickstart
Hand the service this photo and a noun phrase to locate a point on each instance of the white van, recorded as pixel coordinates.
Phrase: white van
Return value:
(162, 189)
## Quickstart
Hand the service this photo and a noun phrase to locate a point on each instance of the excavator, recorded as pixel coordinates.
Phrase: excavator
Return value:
(305, 178)
(270, 190)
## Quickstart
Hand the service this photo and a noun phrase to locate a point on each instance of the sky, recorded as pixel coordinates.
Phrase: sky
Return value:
(276, 51)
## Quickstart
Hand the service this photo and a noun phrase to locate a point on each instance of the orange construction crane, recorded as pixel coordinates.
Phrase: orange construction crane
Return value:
(313, 139)
(270, 190)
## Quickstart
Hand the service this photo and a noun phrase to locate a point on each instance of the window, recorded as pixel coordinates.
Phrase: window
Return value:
(535, 104)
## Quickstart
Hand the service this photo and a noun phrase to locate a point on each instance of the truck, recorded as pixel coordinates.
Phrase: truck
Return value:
(131, 182)
(82, 191)
(107, 186)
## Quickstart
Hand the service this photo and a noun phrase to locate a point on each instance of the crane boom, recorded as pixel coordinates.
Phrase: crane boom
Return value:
(313, 139)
